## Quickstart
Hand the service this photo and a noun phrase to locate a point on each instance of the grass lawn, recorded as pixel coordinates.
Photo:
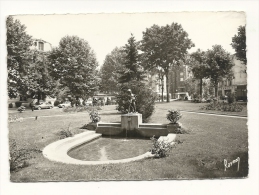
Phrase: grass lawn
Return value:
(199, 154)
(196, 107)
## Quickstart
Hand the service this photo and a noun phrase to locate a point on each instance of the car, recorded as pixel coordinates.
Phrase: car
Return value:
(89, 102)
(43, 105)
(65, 104)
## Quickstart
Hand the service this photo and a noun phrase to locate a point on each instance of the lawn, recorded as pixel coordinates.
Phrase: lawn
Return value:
(198, 154)
(196, 107)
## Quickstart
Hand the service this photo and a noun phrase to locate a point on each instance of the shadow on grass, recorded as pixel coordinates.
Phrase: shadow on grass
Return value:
(213, 167)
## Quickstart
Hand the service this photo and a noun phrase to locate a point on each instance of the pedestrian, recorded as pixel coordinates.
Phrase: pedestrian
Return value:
(32, 106)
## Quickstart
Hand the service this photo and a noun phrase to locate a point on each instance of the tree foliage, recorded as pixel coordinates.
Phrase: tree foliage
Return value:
(165, 47)
(145, 99)
(239, 44)
(132, 68)
(219, 65)
(199, 67)
(73, 64)
(109, 72)
(19, 57)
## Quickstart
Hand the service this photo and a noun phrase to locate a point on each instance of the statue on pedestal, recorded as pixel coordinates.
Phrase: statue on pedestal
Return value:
(132, 101)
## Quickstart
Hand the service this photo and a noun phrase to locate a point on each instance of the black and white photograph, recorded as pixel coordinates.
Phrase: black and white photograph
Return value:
(128, 97)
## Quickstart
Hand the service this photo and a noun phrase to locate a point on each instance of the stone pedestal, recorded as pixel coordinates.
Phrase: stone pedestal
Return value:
(131, 121)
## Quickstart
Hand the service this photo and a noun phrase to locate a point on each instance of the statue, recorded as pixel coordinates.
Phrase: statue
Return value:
(132, 101)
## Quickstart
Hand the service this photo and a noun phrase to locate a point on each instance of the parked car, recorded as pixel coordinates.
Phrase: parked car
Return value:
(43, 105)
(89, 102)
(65, 104)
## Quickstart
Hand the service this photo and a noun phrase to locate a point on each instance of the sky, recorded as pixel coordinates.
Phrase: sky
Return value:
(104, 32)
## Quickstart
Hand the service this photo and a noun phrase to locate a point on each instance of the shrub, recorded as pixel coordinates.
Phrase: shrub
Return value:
(173, 116)
(65, 133)
(21, 109)
(160, 148)
(18, 104)
(94, 116)
(19, 156)
(231, 98)
(56, 103)
(10, 105)
(145, 99)
(221, 106)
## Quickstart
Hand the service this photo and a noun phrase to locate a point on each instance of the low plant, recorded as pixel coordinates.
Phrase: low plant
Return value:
(10, 105)
(225, 107)
(21, 109)
(18, 157)
(18, 104)
(231, 98)
(94, 116)
(15, 118)
(56, 103)
(160, 148)
(64, 133)
(173, 116)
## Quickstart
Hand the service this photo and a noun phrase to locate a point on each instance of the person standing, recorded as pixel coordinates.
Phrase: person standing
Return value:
(32, 106)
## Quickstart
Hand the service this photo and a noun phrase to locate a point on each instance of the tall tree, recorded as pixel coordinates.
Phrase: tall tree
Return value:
(132, 67)
(109, 72)
(165, 47)
(219, 65)
(239, 44)
(39, 82)
(74, 64)
(199, 67)
(19, 57)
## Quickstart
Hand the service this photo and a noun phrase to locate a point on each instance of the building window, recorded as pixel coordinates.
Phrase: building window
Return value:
(181, 79)
(41, 46)
(181, 73)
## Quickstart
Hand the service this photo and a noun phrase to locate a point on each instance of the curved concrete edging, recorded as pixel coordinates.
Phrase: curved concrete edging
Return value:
(58, 150)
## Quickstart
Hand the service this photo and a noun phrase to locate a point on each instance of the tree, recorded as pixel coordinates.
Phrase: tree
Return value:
(40, 83)
(165, 47)
(109, 72)
(145, 99)
(239, 44)
(19, 57)
(219, 65)
(190, 86)
(199, 67)
(132, 68)
(73, 64)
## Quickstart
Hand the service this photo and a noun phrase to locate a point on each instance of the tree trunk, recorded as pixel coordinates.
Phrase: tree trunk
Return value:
(216, 90)
(39, 97)
(201, 88)
(167, 87)
(162, 87)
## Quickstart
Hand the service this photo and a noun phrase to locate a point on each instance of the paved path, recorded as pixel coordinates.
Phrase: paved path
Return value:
(223, 115)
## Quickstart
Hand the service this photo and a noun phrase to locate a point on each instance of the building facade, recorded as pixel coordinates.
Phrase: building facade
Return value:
(41, 45)
(177, 77)
(238, 84)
